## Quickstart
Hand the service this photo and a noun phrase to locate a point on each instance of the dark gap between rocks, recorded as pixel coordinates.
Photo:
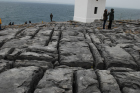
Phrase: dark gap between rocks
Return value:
(35, 83)
(35, 33)
(51, 34)
(98, 79)
(74, 86)
(60, 36)
(19, 32)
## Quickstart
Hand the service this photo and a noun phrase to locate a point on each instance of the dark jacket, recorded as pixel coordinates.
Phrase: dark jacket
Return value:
(111, 15)
(105, 15)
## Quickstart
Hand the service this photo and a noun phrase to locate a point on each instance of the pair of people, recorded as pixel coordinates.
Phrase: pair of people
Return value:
(111, 18)
(11, 23)
(27, 23)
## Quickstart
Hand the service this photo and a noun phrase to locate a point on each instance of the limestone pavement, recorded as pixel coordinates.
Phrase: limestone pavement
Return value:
(70, 57)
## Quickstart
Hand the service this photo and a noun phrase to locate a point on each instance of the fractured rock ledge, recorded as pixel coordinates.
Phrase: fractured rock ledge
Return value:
(21, 80)
(70, 57)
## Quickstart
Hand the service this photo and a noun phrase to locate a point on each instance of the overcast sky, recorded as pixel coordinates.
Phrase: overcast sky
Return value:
(109, 3)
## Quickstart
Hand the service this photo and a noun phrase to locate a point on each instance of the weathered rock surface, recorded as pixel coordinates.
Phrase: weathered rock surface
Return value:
(4, 52)
(117, 57)
(28, 32)
(99, 61)
(35, 56)
(14, 54)
(86, 82)
(108, 83)
(58, 80)
(64, 54)
(72, 55)
(135, 54)
(129, 82)
(17, 43)
(74, 51)
(7, 35)
(120, 69)
(20, 80)
(5, 65)
(40, 49)
(25, 63)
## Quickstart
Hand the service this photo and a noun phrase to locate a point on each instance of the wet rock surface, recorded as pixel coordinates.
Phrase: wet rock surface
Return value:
(70, 57)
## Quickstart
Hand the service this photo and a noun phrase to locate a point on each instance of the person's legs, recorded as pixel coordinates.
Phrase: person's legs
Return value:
(110, 24)
(51, 19)
(0, 26)
(104, 24)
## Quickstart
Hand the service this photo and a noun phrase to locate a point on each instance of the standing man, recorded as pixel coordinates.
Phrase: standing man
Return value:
(111, 18)
(0, 23)
(13, 23)
(105, 17)
(10, 24)
(51, 16)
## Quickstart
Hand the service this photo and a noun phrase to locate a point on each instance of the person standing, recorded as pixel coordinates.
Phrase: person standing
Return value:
(105, 17)
(13, 23)
(51, 16)
(30, 22)
(0, 23)
(26, 22)
(10, 24)
(111, 18)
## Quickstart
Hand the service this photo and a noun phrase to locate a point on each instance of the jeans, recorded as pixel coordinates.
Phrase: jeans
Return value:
(104, 24)
(110, 24)
(51, 19)
(0, 26)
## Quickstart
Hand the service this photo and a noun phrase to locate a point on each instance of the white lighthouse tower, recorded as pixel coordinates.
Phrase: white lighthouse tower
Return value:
(88, 10)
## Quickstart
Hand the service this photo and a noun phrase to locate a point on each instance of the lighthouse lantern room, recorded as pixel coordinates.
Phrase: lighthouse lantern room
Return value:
(88, 10)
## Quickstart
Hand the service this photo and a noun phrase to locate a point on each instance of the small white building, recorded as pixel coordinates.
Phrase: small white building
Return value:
(88, 10)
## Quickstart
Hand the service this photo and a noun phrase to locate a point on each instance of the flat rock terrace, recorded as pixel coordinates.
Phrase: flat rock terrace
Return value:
(70, 57)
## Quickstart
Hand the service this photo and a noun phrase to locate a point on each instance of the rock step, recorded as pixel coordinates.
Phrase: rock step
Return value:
(99, 61)
(86, 82)
(56, 81)
(75, 80)
(74, 51)
(65, 79)
(115, 56)
(26, 63)
(129, 82)
(20, 80)
(108, 84)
